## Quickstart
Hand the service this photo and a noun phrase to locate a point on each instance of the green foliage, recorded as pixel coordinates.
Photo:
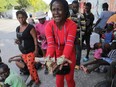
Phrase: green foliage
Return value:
(31, 5)
(23, 3)
(3, 5)
(7, 4)
(37, 5)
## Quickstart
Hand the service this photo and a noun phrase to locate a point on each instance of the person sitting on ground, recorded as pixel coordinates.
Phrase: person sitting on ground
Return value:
(23, 67)
(97, 54)
(10, 79)
(108, 35)
(106, 49)
(98, 50)
(20, 64)
(103, 61)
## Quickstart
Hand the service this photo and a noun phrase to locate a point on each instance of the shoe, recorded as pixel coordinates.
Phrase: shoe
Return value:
(30, 83)
(85, 59)
(46, 71)
(77, 67)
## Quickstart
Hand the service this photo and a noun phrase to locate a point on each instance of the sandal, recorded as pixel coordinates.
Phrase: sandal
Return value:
(77, 67)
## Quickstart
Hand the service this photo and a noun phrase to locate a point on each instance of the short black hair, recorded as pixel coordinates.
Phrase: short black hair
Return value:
(75, 1)
(65, 6)
(105, 5)
(95, 46)
(113, 45)
(88, 4)
(4, 67)
(21, 12)
(30, 15)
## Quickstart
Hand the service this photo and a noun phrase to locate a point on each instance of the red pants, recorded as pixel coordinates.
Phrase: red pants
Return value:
(29, 59)
(69, 78)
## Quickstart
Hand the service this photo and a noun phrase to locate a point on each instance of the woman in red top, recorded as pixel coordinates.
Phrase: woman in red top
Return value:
(60, 33)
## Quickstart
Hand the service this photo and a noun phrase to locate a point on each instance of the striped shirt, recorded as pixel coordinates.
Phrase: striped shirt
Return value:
(112, 54)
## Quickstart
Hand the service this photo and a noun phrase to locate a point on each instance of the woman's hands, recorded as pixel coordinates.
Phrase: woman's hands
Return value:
(17, 41)
(62, 60)
(52, 64)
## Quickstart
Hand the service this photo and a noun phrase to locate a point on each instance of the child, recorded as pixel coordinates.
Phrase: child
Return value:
(10, 79)
(106, 49)
(103, 61)
(98, 50)
(97, 56)
(108, 35)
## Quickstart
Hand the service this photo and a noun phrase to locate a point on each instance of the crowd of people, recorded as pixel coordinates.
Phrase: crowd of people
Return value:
(62, 38)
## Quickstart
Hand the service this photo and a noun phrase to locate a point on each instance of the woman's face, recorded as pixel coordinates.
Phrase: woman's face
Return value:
(21, 18)
(58, 12)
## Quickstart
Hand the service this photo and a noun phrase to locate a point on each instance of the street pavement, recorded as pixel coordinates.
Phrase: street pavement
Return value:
(9, 49)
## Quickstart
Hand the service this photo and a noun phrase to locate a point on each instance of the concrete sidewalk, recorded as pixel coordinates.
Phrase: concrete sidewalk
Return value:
(9, 49)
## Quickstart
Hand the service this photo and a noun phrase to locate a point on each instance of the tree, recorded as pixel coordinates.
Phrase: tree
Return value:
(37, 5)
(34, 5)
(7, 4)
(23, 4)
(3, 5)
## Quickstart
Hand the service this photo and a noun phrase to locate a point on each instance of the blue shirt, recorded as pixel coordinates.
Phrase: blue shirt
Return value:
(104, 16)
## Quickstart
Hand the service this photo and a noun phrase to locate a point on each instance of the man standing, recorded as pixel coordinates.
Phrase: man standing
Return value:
(104, 16)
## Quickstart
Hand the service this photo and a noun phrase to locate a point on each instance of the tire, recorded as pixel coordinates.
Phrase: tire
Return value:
(104, 83)
(114, 81)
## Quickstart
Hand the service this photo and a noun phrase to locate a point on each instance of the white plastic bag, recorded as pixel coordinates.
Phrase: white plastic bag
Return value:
(94, 38)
